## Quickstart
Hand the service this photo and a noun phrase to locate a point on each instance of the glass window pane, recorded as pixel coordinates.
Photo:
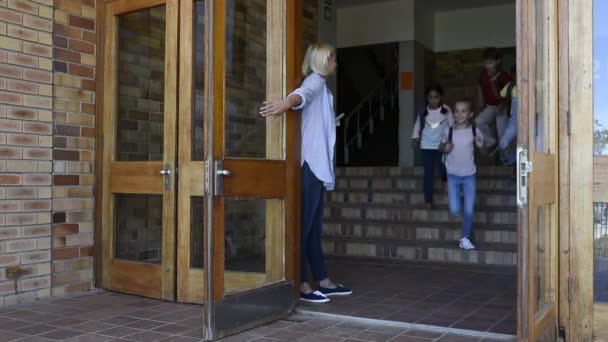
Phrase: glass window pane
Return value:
(197, 231)
(199, 76)
(600, 76)
(141, 77)
(254, 240)
(245, 78)
(600, 252)
(138, 227)
(544, 87)
(544, 262)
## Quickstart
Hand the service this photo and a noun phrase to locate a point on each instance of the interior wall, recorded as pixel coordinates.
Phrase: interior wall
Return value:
(475, 28)
(375, 24)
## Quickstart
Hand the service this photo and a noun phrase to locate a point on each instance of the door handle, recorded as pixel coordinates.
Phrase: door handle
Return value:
(224, 173)
(166, 173)
(524, 167)
(220, 173)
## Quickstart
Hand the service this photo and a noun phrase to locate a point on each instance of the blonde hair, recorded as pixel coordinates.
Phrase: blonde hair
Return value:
(317, 58)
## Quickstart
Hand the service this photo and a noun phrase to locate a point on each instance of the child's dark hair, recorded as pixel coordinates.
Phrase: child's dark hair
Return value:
(434, 87)
(468, 102)
(491, 53)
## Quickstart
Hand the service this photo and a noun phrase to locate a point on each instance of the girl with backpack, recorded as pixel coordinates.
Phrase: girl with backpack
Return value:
(458, 143)
(430, 124)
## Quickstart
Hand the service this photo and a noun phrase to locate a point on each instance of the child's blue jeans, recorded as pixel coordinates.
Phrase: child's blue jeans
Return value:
(467, 186)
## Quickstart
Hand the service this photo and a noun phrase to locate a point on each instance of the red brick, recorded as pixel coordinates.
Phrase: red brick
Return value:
(22, 33)
(20, 219)
(37, 179)
(22, 139)
(88, 85)
(23, 6)
(10, 71)
(59, 242)
(65, 278)
(80, 46)
(9, 207)
(11, 98)
(90, 37)
(23, 60)
(86, 24)
(87, 132)
(22, 114)
(67, 31)
(87, 251)
(22, 86)
(35, 257)
(37, 153)
(66, 155)
(60, 67)
(59, 266)
(38, 76)
(68, 130)
(65, 253)
(79, 264)
(76, 288)
(81, 70)
(10, 233)
(11, 125)
(10, 16)
(66, 180)
(90, 3)
(10, 152)
(37, 128)
(38, 23)
(10, 179)
(37, 205)
(35, 231)
(68, 6)
(65, 229)
(38, 49)
(88, 108)
(66, 55)
(60, 142)
(9, 259)
(34, 283)
(20, 193)
(59, 41)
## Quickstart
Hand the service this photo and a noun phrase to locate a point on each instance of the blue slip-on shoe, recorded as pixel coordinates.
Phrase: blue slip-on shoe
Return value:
(338, 291)
(314, 297)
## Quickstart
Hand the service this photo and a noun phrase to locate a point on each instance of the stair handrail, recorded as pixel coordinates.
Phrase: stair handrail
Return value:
(372, 112)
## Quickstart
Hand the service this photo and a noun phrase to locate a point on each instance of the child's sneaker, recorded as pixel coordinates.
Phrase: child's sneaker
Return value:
(466, 244)
(338, 291)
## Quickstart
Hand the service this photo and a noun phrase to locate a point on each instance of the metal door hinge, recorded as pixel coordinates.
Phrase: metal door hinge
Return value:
(524, 167)
(569, 122)
(207, 186)
(569, 290)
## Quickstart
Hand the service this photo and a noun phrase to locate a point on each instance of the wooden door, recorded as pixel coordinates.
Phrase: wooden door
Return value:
(253, 169)
(538, 141)
(139, 147)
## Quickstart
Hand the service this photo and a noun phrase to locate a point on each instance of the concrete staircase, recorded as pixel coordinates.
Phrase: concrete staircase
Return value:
(376, 213)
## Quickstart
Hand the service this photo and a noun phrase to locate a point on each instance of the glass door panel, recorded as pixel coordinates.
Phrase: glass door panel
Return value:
(138, 117)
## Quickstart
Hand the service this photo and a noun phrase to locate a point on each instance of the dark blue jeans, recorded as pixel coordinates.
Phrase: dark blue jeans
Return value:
(431, 159)
(312, 226)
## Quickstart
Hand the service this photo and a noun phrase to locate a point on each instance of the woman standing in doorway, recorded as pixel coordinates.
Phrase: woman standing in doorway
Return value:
(318, 140)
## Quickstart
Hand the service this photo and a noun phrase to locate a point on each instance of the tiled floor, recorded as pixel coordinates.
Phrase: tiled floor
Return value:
(448, 297)
(453, 296)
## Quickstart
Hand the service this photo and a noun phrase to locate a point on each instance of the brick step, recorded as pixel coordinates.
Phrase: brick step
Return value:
(439, 231)
(486, 198)
(483, 215)
(421, 251)
(491, 171)
(415, 183)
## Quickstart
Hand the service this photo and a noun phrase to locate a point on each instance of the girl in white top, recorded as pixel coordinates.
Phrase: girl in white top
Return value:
(318, 140)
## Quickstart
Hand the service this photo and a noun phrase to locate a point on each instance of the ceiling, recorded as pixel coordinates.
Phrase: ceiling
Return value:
(435, 5)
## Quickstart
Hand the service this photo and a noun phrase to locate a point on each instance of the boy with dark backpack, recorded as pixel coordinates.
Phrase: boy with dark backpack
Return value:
(458, 144)
(430, 124)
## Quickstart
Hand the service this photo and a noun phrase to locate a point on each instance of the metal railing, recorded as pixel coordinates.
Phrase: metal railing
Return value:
(372, 107)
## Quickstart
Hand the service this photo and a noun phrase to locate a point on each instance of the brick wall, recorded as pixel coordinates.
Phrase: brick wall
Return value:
(25, 148)
(74, 52)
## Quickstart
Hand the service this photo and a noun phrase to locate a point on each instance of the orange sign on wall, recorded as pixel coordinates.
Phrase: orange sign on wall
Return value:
(407, 80)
